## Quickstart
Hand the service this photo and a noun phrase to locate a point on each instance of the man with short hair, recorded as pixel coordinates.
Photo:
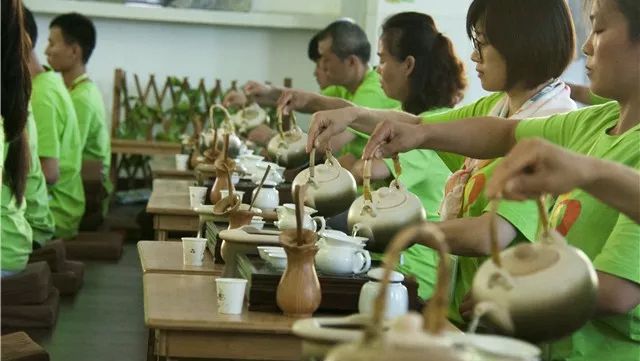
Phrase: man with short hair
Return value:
(58, 145)
(72, 38)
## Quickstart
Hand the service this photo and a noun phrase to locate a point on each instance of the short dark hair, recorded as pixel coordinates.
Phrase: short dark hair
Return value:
(77, 28)
(631, 10)
(30, 26)
(312, 49)
(536, 38)
(438, 78)
(347, 39)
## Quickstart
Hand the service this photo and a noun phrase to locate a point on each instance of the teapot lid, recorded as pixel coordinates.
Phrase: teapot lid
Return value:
(387, 197)
(526, 259)
(326, 173)
(378, 274)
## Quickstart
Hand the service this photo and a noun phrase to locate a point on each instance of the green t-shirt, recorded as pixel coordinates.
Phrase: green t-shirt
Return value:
(608, 238)
(596, 99)
(94, 134)
(15, 245)
(38, 213)
(59, 138)
(369, 94)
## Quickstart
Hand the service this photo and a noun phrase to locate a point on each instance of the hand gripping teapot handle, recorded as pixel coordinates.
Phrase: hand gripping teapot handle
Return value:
(435, 313)
(548, 235)
(397, 170)
(312, 167)
(279, 123)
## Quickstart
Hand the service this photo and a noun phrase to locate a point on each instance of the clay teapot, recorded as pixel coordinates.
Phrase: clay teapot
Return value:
(331, 189)
(536, 291)
(288, 148)
(216, 136)
(411, 337)
(380, 214)
(250, 117)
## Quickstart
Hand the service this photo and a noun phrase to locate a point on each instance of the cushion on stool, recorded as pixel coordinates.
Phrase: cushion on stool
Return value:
(52, 252)
(27, 316)
(69, 280)
(20, 347)
(31, 286)
(95, 245)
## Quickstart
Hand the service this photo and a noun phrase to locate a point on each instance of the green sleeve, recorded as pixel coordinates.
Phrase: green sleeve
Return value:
(523, 216)
(334, 91)
(620, 255)
(574, 130)
(85, 115)
(482, 107)
(47, 122)
(374, 98)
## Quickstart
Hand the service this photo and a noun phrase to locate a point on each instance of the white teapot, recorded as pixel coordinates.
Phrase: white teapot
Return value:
(287, 218)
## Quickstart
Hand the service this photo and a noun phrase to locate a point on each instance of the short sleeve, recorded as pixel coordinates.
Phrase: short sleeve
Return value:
(47, 123)
(620, 255)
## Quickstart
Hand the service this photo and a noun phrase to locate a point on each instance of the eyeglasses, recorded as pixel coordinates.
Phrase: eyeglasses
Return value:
(477, 44)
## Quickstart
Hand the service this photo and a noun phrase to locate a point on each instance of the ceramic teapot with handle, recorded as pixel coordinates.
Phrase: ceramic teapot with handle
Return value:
(215, 136)
(250, 117)
(407, 339)
(536, 291)
(380, 214)
(332, 189)
(288, 148)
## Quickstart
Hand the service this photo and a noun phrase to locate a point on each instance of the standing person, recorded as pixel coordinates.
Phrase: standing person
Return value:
(72, 38)
(611, 132)
(16, 90)
(57, 139)
(521, 66)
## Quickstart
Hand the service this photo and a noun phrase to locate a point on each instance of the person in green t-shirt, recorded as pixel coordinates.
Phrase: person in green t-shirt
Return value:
(531, 89)
(15, 233)
(584, 95)
(610, 131)
(58, 142)
(72, 38)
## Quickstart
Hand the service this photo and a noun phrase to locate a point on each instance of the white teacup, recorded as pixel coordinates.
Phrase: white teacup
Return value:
(343, 260)
(181, 161)
(193, 250)
(197, 195)
(230, 292)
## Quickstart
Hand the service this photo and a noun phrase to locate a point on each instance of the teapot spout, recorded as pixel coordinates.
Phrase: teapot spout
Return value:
(497, 313)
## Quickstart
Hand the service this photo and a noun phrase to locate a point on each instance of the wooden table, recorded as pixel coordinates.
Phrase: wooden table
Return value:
(165, 167)
(166, 257)
(143, 147)
(182, 309)
(170, 207)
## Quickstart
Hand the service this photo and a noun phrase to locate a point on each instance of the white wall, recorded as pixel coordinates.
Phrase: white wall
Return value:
(195, 51)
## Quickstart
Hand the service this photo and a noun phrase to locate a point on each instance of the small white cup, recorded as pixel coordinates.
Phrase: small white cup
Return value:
(225, 192)
(196, 196)
(230, 295)
(181, 161)
(193, 250)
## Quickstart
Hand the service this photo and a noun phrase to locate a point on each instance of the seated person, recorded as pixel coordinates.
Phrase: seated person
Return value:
(72, 38)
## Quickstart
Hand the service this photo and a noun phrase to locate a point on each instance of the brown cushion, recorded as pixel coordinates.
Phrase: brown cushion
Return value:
(95, 245)
(28, 316)
(31, 286)
(52, 252)
(20, 347)
(70, 278)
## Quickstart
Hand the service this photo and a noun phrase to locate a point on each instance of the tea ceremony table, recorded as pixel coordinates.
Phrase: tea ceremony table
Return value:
(182, 312)
(169, 204)
(166, 257)
(164, 167)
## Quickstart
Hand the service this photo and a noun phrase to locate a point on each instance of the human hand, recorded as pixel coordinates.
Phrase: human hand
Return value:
(234, 98)
(390, 138)
(534, 167)
(326, 124)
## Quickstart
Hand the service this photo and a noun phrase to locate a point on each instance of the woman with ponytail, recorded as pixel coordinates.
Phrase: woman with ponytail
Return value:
(16, 234)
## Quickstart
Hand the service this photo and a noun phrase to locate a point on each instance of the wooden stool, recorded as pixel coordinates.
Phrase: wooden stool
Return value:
(53, 252)
(29, 287)
(95, 245)
(70, 278)
(20, 347)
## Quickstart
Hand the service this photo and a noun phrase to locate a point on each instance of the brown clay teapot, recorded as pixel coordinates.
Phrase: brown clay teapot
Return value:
(288, 149)
(411, 337)
(331, 188)
(380, 214)
(536, 291)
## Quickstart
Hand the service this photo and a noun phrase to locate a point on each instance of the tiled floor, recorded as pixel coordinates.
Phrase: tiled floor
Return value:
(105, 320)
